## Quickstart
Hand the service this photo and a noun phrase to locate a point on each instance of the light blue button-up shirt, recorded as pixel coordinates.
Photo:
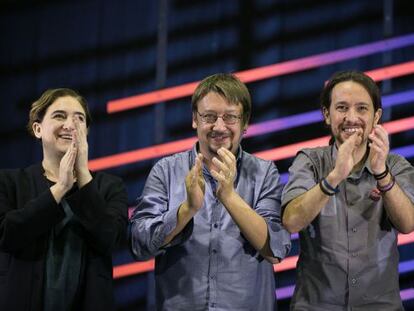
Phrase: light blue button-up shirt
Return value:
(209, 265)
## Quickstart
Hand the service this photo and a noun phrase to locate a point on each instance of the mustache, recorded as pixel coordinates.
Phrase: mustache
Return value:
(218, 134)
(347, 123)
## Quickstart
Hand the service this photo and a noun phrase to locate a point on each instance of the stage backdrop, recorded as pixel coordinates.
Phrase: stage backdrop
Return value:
(284, 50)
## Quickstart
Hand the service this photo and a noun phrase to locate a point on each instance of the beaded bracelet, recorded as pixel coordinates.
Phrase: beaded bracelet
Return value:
(383, 174)
(387, 187)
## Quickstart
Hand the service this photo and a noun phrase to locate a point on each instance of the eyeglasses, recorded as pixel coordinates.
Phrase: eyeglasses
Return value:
(227, 118)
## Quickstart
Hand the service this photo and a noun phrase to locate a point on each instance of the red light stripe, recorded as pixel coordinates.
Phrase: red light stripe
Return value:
(288, 263)
(133, 268)
(291, 150)
(185, 144)
(391, 71)
(151, 97)
(141, 154)
(404, 239)
(246, 76)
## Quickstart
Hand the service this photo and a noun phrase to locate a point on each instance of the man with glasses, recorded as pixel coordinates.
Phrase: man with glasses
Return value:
(211, 216)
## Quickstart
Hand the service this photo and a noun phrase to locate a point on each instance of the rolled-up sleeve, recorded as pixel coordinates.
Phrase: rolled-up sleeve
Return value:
(403, 172)
(301, 178)
(268, 206)
(155, 215)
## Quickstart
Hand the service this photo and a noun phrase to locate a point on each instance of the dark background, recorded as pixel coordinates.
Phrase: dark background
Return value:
(112, 49)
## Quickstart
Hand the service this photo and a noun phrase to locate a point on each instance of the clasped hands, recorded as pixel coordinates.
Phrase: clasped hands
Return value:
(223, 170)
(347, 152)
(74, 163)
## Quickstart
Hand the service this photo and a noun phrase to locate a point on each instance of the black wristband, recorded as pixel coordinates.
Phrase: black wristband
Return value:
(329, 187)
(324, 190)
(383, 174)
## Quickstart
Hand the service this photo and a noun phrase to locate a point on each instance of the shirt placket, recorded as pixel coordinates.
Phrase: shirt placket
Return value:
(214, 246)
(354, 244)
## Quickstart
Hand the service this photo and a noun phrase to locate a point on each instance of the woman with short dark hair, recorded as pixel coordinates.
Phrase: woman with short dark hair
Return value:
(58, 222)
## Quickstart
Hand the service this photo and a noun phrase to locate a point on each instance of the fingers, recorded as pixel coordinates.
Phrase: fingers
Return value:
(69, 158)
(356, 138)
(379, 141)
(66, 167)
(79, 127)
(379, 136)
(198, 166)
(196, 171)
(227, 156)
(80, 132)
(218, 176)
(75, 138)
(220, 165)
(228, 161)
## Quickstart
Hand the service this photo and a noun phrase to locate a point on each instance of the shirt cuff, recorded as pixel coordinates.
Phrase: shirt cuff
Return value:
(279, 240)
(170, 222)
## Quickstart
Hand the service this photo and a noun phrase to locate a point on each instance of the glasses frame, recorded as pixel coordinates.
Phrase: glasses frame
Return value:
(223, 117)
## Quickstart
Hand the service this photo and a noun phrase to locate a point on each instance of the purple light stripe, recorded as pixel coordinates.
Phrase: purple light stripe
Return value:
(284, 178)
(406, 151)
(316, 116)
(284, 123)
(406, 266)
(285, 292)
(407, 294)
(397, 99)
(325, 58)
(358, 51)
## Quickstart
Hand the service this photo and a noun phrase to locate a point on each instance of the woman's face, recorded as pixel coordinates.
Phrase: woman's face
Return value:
(55, 130)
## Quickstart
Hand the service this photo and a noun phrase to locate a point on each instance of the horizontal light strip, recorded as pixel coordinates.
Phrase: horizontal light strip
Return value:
(406, 151)
(288, 263)
(407, 294)
(285, 292)
(141, 154)
(393, 71)
(406, 266)
(265, 72)
(133, 268)
(253, 130)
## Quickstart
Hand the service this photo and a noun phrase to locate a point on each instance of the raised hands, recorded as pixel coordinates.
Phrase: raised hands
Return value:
(225, 173)
(347, 156)
(379, 149)
(66, 177)
(195, 185)
(81, 164)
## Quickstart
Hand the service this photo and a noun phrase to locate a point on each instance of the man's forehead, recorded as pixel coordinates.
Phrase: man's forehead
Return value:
(350, 89)
(220, 99)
